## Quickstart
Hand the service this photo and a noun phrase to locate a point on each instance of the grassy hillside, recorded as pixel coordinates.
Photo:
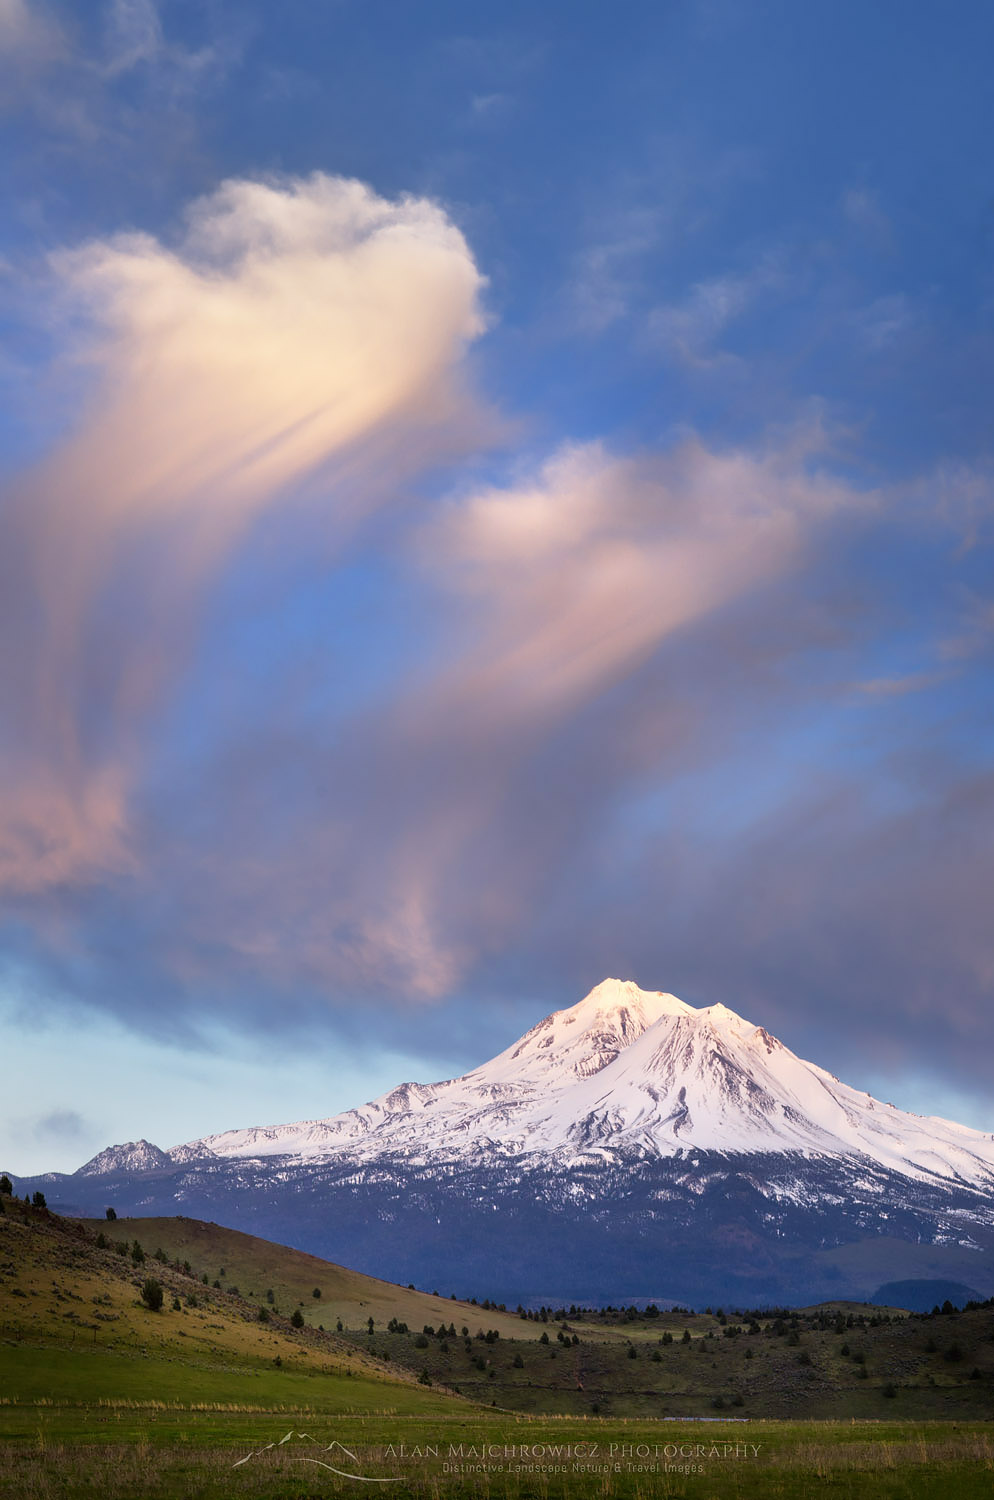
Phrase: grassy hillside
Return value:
(73, 1325)
(257, 1267)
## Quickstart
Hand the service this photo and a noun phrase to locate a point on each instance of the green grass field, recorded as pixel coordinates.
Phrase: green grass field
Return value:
(173, 1454)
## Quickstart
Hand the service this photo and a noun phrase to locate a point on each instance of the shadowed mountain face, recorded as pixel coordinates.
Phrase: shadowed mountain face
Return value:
(628, 1146)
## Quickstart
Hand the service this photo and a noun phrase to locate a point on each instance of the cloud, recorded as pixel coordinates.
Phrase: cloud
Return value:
(299, 333)
(110, 79)
(395, 856)
(27, 32)
(853, 918)
(605, 274)
(898, 687)
(883, 322)
(61, 1125)
(861, 208)
(231, 812)
(690, 328)
(583, 572)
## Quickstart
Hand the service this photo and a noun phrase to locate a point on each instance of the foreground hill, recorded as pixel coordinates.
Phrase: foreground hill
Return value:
(629, 1147)
(73, 1325)
(272, 1274)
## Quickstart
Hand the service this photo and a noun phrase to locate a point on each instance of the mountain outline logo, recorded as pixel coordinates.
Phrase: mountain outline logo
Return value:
(333, 1447)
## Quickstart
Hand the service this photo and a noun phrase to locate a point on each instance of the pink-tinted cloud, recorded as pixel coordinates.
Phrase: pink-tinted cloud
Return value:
(425, 837)
(299, 332)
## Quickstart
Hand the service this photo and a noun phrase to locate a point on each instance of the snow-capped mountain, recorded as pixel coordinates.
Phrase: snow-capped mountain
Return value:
(629, 1070)
(629, 1144)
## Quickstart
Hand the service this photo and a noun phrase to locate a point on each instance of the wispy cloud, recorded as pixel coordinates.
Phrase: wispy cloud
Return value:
(899, 687)
(691, 328)
(297, 329)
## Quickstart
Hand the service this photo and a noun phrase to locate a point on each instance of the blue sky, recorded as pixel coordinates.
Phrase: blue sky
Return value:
(492, 497)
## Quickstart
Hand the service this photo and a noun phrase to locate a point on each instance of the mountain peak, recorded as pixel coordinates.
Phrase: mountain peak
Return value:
(625, 994)
(130, 1156)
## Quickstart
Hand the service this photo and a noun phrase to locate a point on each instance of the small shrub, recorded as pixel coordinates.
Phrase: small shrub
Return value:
(297, 1318)
(152, 1294)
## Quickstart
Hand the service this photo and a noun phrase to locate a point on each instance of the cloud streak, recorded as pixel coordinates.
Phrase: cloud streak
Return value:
(299, 334)
(415, 844)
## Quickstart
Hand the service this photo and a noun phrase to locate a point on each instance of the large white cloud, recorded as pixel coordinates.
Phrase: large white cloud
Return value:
(302, 331)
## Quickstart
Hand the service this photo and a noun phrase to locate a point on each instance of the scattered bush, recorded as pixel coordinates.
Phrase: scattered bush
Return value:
(152, 1294)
